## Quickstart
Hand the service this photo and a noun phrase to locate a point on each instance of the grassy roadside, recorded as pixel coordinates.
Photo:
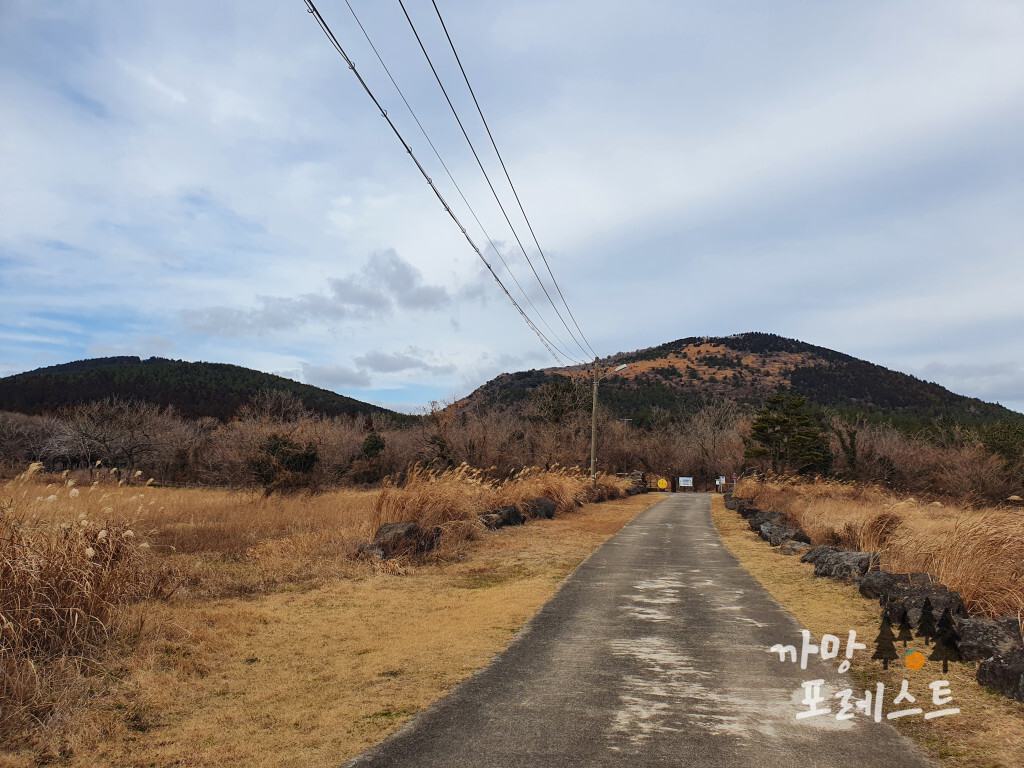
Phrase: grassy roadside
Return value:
(988, 732)
(310, 676)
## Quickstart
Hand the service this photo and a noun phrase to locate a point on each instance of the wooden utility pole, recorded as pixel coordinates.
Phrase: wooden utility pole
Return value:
(593, 432)
(593, 424)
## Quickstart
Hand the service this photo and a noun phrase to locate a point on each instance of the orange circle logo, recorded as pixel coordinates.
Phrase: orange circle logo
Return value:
(914, 660)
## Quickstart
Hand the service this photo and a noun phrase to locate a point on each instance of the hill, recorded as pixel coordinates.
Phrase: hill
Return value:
(193, 389)
(679, 375)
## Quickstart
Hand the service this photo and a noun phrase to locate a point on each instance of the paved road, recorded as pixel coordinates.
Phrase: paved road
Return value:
(653, 653)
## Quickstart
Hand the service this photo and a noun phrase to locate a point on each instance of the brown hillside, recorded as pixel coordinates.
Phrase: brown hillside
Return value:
(745, 368)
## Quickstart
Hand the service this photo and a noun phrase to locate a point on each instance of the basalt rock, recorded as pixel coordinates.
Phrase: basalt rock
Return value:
(842, 566)
(776, 534)
(817, 552)
(540, 507)
(846, 566)
(982, 639)
(638, 483)
(876, 585)
(909, 593)
(801, 536)
(368, 550)
(406, 538)
(792, 547)
(772, 518)
(746, 508)
(1004, 673)
(503, 516)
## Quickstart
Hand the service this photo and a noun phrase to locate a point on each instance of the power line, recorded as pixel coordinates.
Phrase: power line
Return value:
(516, 194)
(487, 177)
(351, 65)
(561, 346)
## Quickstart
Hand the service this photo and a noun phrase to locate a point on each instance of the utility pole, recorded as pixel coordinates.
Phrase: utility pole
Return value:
(593, 432)
(593, 423)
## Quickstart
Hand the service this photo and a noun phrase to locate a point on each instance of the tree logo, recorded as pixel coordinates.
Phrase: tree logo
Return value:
(944, 635)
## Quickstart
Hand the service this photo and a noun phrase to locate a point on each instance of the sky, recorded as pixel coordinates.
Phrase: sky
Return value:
(208, 181)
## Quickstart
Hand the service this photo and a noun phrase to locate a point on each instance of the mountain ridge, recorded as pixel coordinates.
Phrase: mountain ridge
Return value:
(745, 368)
(661, 381)
(194, 389)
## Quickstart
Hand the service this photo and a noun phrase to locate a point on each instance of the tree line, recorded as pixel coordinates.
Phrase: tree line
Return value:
(276, 443)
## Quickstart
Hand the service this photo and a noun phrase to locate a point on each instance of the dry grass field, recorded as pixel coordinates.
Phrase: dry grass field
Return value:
(979, 552)
(988, 732)
(156, 626)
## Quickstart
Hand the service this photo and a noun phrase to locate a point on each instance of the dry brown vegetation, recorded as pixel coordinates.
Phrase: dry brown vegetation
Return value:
(63, 581)
(85, 568)
(988, 732)
(977, 551)
(770, 368)
(969, 465)
(275, 444)
(451, 499)
(311, 677)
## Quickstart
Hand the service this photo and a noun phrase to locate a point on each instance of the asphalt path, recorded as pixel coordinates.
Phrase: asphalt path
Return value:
(654, 652)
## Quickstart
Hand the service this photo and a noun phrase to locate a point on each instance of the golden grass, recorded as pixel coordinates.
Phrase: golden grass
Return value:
(979, 552)
(988, 732)
(62, 585)
(73, 558)
(771, 373)
(312, 677)
(452, 499)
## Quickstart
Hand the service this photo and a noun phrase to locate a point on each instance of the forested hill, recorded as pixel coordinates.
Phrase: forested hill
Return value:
(193, 389)
(745, 368)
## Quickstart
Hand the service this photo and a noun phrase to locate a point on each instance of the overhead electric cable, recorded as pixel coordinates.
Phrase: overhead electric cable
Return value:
(561, 346)
(487, 177)
(516, 194)
(311, 8)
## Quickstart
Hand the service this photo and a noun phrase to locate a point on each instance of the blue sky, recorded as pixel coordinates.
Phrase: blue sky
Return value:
(207, 182)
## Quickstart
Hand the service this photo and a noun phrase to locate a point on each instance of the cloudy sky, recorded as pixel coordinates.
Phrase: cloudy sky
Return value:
(207, 181)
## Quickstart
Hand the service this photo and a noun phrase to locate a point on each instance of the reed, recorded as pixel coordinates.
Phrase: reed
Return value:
(77, 563)
(977, 551)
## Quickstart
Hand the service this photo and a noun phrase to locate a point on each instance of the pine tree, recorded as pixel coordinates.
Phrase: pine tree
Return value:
(926, 625)
(789, 436)
(905, 634)
(885, 648)
(947, 645)
(946, 625)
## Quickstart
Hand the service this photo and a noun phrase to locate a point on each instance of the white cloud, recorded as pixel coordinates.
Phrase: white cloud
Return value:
(154, 83)
(211, 175)
(384, 284)
(335, 377)
(988, 382)
(399, 362)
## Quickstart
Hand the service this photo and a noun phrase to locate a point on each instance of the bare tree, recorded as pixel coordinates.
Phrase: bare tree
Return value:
(274, 406)
(713, 430)
(120, 433)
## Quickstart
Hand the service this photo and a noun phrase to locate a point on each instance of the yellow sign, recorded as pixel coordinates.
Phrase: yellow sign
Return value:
(663, 483)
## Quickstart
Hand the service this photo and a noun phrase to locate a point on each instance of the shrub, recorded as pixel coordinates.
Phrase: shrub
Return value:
(282, 464)
(61, 589)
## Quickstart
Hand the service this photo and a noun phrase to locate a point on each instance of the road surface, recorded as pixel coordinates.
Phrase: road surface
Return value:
(654, 652)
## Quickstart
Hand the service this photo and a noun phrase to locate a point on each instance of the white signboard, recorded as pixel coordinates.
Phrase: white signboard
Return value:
(686, 482)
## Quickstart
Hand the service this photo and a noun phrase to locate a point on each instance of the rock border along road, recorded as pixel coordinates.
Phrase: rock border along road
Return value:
(654, 652)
